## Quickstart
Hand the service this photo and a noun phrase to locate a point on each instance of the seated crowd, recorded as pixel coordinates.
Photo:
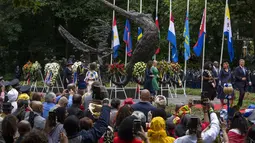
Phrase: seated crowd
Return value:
(72, 118)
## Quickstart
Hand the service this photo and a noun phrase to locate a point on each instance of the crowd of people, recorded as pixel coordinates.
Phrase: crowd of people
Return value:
(69, 117)
(74, 116)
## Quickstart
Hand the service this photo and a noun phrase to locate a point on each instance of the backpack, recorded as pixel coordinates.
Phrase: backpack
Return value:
(31, 118)
(108, 135)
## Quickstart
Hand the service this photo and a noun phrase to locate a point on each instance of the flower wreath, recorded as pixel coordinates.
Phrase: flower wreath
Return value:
(51, 71)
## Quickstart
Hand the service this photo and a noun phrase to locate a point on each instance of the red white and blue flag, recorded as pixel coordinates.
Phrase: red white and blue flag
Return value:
(127, 38)
(199, 45)
(171, 37)
(157, 24)
(115, 40)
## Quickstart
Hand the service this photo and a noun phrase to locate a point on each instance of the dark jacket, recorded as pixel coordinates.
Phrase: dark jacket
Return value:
(75, 110)
(239, 74)
(144, 107)
(96, 132)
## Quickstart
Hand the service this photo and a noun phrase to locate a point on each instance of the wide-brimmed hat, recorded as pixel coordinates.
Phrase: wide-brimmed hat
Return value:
(7, 106)
(25, 88)
(14, 82)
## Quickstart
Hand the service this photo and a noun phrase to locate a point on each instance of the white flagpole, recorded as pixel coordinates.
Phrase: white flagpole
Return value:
(157, 17)
(203, 60)
(185, 61)
(126, 45)
(141, 6)
(169, 43)
(113, 15)
(222, 43)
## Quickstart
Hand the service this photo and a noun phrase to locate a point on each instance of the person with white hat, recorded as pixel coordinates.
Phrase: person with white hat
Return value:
(12, 95)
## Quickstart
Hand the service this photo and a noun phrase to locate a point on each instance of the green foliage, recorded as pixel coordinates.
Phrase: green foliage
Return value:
(28, 28)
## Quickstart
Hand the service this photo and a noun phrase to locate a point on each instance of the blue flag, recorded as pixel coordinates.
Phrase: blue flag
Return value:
(187, 38)
(199, 45)
(127, 38)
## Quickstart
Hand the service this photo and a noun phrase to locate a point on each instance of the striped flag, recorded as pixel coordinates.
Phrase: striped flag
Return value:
(157, 24)
(171, 37)
(199, 45)
(228, 32)
(116, 40)
(127, 38)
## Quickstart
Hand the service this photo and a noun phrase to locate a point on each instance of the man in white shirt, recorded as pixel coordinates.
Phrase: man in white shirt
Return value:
(208, 135)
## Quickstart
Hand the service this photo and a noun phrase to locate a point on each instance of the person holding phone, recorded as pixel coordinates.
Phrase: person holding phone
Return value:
(131, 131)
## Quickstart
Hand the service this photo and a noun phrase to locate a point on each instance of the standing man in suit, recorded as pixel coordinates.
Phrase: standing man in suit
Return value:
(215, 70)
(242, 79)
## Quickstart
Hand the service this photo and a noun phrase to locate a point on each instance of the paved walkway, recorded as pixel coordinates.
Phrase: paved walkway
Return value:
(183, 99)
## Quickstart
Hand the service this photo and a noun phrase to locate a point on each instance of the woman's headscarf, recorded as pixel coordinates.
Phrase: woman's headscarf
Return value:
(157, 132)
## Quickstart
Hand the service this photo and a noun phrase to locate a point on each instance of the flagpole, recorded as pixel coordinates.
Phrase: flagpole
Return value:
(141, 6)
(113, 15)
(185, 61)
(169, 43)
(156, 16)
(203, 59)
(222, 42)
(126, 44)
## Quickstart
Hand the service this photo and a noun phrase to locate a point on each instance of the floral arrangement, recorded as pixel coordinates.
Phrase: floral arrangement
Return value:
(139, 69)
(27, 70)
(164, 67)
(31, 70)
(175, 67)
(51, 71)
(117, 68)
(35, 70)
(76, 65)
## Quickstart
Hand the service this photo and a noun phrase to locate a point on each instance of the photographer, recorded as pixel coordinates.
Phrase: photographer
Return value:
(93, 103)
(129, 130)
(21, 111)
(193, 133)
(211, 132)
(71, 126)
(54, 124)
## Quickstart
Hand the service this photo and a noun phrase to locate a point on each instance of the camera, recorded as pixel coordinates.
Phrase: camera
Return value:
(136, 126)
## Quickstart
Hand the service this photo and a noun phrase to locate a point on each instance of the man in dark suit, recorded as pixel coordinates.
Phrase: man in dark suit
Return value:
(242, 79)
(215, 70)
